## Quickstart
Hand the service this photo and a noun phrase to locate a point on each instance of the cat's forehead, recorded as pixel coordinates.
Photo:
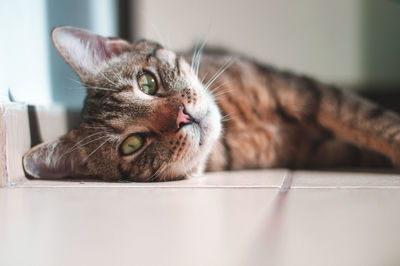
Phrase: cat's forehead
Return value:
(144, 56)
(152, 48)
(147, 47)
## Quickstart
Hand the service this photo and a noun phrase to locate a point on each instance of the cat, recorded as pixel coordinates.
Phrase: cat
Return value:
(149, 117)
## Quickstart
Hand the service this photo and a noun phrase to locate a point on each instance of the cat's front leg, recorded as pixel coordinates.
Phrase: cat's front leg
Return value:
(361, 122)
(347, 116)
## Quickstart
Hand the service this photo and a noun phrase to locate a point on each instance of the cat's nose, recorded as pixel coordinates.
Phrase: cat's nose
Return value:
(183, 118)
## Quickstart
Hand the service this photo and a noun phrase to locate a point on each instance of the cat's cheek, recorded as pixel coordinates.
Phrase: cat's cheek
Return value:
(211, 126)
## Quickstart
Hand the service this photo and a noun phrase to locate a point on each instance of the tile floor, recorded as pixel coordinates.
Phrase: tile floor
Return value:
(264, 217)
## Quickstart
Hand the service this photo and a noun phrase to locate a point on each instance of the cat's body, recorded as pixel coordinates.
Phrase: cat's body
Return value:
(148, 117)
(279, 119)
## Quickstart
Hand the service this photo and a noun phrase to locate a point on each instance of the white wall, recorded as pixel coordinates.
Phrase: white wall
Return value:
(29, 64)
(23, 51)
(350, 42)
(99, 16)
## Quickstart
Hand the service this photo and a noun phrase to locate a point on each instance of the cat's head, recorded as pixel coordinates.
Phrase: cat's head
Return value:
(146, 117)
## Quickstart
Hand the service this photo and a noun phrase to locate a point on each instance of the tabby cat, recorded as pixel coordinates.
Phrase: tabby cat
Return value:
(149, 115)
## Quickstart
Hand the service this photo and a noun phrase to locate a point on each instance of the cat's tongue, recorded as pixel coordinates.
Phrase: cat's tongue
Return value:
(182, 118)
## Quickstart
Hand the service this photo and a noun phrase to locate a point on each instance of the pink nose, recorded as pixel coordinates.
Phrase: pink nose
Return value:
(182, 118)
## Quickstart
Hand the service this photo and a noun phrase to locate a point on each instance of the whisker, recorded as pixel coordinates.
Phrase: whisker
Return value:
(107, 140)
(121, 80)
(208, 84)
(157, 172)
(205, 75)
(91, 141)
(103, 89)
(77, 85)
(197, 51)
(222, 69)
(115, 138)
(198, 57)
(76, 88)
(213, 89)
(108, 79)
(159, 35)
(216, 95)
(92, 88)
(78, 144)
(76, 81)
(83, 85)
(194, 55)
(153, 177)
(82, 140)
(101, 127)
(227, 117)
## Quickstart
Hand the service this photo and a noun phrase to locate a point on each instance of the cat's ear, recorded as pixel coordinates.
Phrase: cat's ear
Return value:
(86, 51)
(54, 159)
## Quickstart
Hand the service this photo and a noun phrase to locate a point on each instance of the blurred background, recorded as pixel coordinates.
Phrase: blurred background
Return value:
(354, 44)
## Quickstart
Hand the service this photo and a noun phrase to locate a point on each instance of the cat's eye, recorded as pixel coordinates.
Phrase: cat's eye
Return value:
(147, 83)
(131, 144)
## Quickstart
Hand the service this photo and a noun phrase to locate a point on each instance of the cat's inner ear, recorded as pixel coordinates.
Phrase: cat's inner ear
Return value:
(55, 159)
(85, 51)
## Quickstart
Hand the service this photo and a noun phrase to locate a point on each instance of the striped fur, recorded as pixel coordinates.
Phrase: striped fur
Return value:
(279, 119)
(248, 116)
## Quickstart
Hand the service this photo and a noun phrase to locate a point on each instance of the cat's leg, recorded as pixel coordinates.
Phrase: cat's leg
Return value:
(347, 116)
(335, 152)
(358, 121)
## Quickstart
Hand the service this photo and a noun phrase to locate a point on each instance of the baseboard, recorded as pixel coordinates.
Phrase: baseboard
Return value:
(14, 141)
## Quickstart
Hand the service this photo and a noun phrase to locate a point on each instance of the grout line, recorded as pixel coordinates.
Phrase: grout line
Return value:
(345, 187)
(287, 181)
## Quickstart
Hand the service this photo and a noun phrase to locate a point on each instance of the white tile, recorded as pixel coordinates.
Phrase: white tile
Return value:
(206, 226)
(343, 179)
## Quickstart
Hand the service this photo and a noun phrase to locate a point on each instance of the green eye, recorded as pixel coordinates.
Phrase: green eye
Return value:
(147, 83)
(132, 144)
